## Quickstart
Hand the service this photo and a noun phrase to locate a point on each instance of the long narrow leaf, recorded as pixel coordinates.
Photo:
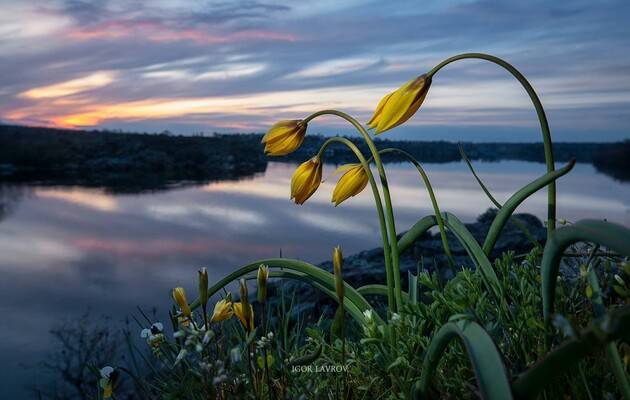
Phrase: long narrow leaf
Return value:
(517, 198)
(484, 357)
(316, 275)
(613, 236)
(348, 304)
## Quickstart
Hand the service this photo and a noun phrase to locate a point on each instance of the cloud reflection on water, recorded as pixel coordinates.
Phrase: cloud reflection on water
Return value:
(65, 249)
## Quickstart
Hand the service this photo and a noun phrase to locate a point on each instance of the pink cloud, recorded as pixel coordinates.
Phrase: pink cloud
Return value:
(159, 248)
(159, 32)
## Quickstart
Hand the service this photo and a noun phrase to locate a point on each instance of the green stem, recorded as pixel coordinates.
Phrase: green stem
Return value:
(436, 208)
(388, 202)
(599, 310)
(379, 209)
(494, 201)
(542, 118)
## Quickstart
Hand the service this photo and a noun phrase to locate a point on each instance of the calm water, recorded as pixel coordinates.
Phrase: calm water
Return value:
(66, 249)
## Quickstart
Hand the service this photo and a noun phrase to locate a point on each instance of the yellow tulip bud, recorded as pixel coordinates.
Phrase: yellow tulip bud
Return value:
(222, 310)
(351, 183)
(284, 137)
(245, 313)
(263, 275)
(338, 269)
(306, 179)
(398, 106)
(179, 295)
(243, 310)
(203, 287)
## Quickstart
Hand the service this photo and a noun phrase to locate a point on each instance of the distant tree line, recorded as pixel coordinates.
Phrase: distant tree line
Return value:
(95, 156)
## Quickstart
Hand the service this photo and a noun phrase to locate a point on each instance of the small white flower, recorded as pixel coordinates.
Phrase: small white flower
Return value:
(106, 372)
(395, 317)
(368, 315)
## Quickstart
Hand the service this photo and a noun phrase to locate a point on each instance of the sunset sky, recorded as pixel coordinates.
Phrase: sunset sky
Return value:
(237, 66)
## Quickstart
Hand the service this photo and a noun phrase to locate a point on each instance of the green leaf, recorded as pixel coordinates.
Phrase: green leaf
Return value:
(517, 198)
(306, 272)
(484, 357)
(613, 236)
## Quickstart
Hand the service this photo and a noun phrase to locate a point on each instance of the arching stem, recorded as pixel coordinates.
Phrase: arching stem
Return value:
(379, 208)
(391, 224)
(542, 118)
(436, 207)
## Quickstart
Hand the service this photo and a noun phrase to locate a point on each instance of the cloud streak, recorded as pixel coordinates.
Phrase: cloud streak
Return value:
(189, 66)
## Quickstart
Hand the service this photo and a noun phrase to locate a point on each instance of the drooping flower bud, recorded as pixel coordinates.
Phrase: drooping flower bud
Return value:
(398, 106)
(351, 183)
(284, 137)
(305, 180)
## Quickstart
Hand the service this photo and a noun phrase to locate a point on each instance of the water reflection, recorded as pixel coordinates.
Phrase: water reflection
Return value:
(65, 249)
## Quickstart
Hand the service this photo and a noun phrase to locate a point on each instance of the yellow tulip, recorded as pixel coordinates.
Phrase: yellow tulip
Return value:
(305, 180)
(222, 310)
(262, 277)
(240, 311)
(284, 137)
(337, 268)
(179, 295)
(400, 105)
(351, 183)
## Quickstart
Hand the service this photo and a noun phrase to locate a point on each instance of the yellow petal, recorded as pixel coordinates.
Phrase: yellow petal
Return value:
(179, 295)
(403, 103)
(222, 310)
(238, 311)
(284, 137)
(350, 184)
(373, 122)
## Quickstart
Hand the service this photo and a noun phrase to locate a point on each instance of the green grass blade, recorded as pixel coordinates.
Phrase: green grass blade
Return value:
(563, 358)
(378, 290)
(613, 236)
(475, 253)
(479, 181)
(484, 357)
(517, 198)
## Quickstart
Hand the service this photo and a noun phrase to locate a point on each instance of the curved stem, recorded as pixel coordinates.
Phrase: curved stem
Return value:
(436, 208)
(379, 209)
(388, 202)
(542, 118)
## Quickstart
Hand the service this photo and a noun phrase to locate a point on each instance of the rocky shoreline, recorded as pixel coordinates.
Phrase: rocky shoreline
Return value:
(366, 267)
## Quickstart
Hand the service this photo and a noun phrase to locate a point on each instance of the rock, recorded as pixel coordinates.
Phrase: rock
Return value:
(367, 267)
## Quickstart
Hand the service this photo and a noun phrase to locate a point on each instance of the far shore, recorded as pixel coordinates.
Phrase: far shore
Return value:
(105, 158)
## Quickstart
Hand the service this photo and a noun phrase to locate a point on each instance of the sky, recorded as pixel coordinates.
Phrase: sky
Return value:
(191, 66)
